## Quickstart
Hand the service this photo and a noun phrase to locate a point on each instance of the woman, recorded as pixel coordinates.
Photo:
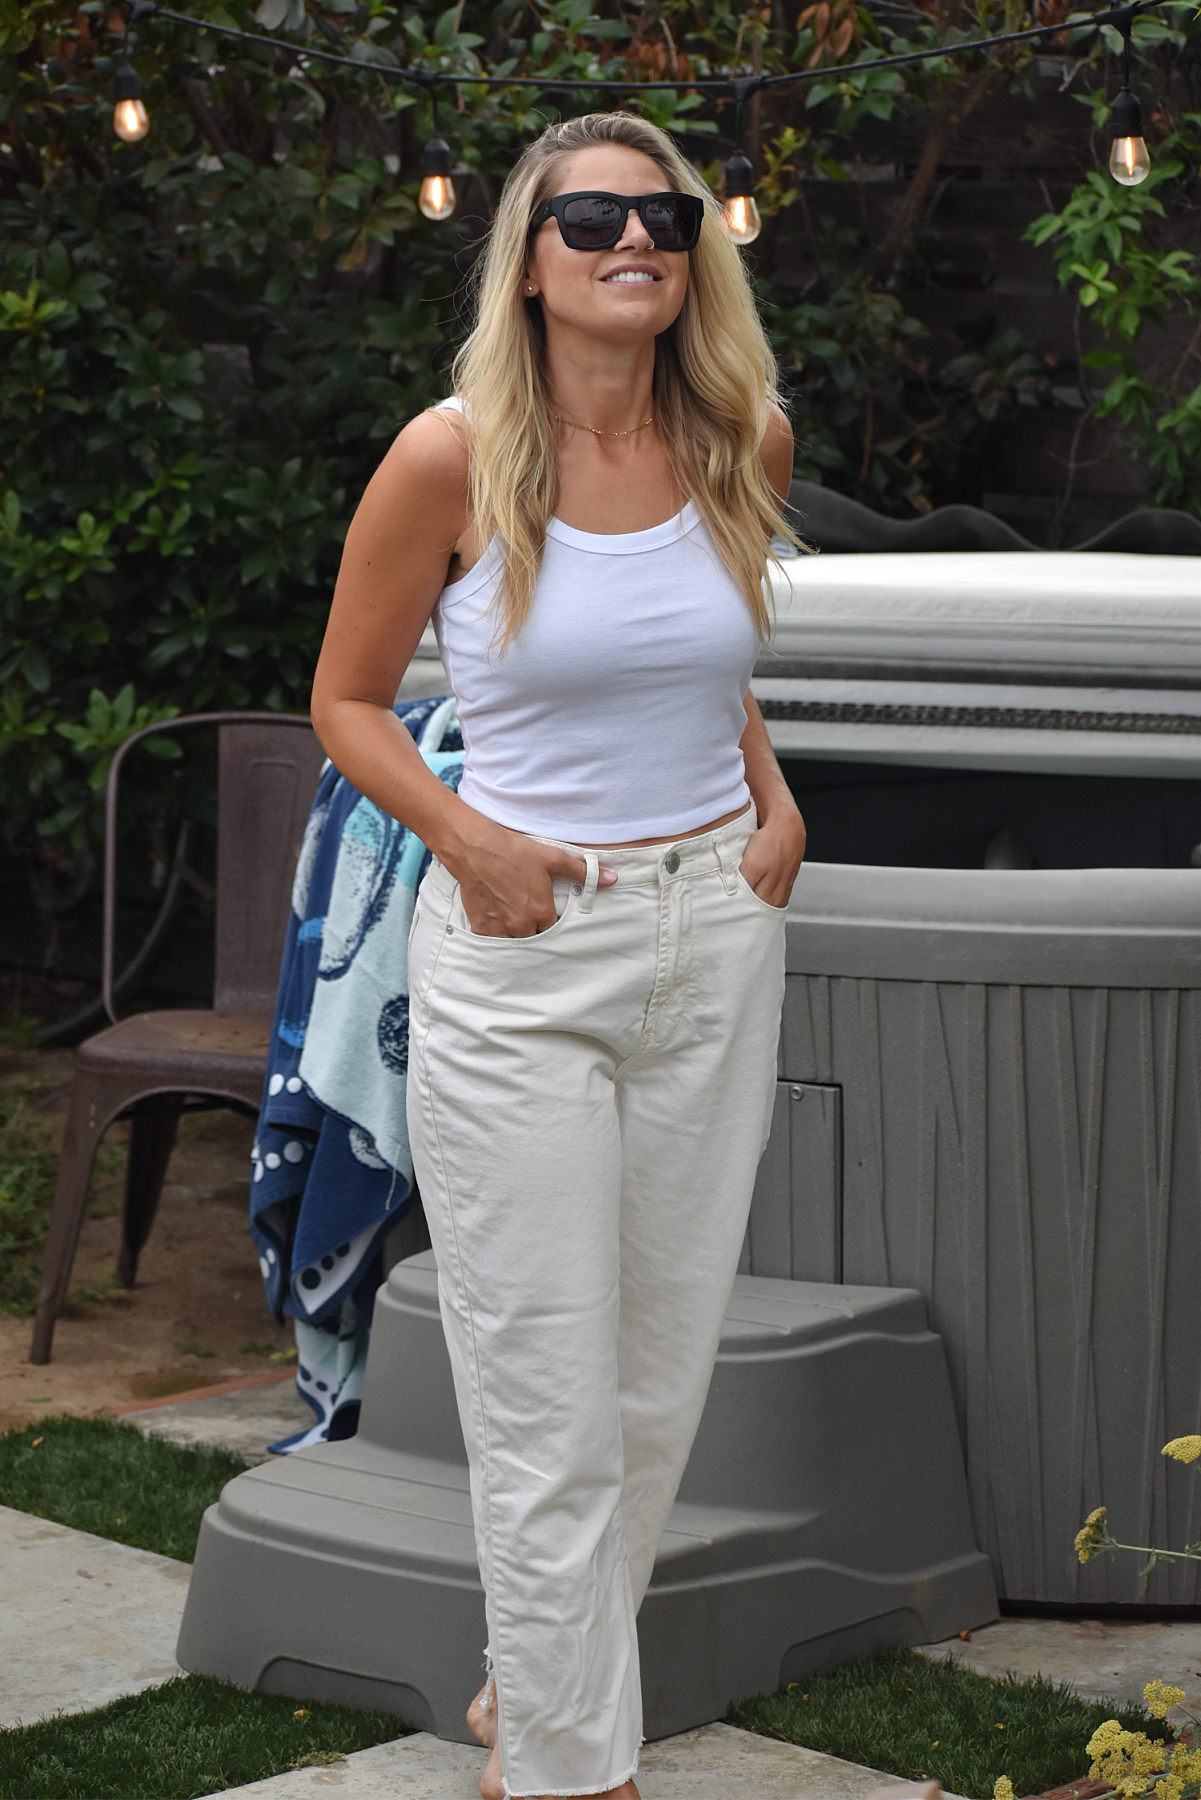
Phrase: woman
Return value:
(597, 960)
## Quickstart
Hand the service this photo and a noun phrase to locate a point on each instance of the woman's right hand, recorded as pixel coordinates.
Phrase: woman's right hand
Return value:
(506, 880)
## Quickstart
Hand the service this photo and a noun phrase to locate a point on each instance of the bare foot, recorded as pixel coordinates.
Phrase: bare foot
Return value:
(492, 1785)
(481, 1716)
(481, 1721)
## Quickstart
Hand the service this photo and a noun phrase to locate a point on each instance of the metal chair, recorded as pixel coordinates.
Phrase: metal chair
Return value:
(145, 1068)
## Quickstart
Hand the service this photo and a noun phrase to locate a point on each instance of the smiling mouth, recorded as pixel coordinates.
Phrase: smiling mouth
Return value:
(633, 277)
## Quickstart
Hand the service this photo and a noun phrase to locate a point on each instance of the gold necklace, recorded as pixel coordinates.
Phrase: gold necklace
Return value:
(597, 432)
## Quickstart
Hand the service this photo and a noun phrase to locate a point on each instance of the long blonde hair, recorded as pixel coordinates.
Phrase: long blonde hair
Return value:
(714, 379)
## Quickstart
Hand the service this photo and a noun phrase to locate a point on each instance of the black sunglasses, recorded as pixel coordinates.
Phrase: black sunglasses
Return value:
(596, 221)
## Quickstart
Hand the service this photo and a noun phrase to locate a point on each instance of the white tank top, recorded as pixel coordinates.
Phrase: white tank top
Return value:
(616, 712)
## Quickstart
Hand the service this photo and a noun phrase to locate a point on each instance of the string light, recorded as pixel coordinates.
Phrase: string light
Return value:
(436, 197)
(738, 200)
(130, 118)
(1129, 162)
(738, 177)
(1129, 159)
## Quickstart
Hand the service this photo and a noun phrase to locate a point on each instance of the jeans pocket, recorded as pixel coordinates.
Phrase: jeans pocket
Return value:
(565, 895)
(776, 912)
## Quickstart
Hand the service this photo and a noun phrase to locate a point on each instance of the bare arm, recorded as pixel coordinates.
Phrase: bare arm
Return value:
(408, 526)
(774, 854)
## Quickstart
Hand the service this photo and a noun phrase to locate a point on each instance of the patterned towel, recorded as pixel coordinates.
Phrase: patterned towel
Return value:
(331, 1172)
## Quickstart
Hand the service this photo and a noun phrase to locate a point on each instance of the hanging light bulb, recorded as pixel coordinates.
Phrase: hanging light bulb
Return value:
(437, 196)
(130, 119)
(742, 215)
(1129, 160)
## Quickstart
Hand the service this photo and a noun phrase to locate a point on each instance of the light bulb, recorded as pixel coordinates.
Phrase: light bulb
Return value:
(741, 214)
(129, 114)
(742, 218)
(130, 120)
(436, 199)
(1129, 161)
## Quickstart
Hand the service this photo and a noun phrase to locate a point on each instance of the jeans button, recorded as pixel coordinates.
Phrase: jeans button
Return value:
(576, 888)
(671, 863)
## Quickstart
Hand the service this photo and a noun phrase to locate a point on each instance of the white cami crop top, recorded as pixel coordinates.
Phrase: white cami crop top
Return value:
(616, 712)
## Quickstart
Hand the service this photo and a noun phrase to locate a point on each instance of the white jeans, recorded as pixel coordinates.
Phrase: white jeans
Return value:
(587, 1108)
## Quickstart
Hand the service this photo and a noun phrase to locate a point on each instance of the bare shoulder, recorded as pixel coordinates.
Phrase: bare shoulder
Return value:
(775, 451)
(417, 500)
(427, 463)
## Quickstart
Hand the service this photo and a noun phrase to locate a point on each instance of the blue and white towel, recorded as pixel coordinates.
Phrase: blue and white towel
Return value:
(331, 1172)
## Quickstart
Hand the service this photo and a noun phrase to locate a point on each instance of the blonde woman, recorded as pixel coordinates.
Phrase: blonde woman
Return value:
(597, 960)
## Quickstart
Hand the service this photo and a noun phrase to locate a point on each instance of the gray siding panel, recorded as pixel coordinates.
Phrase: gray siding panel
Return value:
(1029, 1158)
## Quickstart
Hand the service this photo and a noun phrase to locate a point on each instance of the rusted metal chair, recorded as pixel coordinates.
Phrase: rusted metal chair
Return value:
(146, 1067)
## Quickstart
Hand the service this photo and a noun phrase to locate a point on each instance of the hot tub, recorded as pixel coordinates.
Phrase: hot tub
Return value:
(990, 1067)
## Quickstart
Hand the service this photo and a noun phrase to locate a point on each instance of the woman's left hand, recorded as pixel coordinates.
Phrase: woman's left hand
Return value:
(773, 855)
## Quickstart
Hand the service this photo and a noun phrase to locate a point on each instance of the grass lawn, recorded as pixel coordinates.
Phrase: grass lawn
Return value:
(931, 1720)
(191, 1736)
(101, 1476)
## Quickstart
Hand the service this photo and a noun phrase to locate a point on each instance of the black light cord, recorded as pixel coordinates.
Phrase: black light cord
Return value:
(742, 87)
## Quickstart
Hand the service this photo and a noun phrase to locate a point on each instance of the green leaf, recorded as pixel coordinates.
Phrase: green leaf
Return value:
(447, 25)
(56, 266)
(36, 670)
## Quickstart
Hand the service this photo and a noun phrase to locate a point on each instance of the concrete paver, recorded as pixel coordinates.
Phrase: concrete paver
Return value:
(84, 1620)
(245, 1421)
(717, 1759)
(1101, 1659)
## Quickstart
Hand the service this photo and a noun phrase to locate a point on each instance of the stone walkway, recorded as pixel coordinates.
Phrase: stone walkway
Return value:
(84, 1620)
(1101, 1659)
(716, 1760)
(244, 1421)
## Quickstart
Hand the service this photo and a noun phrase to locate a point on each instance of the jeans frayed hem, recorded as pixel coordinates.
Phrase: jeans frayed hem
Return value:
(573, 1793)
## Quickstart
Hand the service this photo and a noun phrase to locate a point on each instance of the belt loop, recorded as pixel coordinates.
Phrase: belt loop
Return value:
(590, 881)
(727, 861)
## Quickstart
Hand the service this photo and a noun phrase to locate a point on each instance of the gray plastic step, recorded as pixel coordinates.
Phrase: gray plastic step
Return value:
(823, 1514)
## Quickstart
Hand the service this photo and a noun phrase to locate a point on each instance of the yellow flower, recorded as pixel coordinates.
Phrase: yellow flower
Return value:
(1186, 1765)
(1160, 1699)
(1003, 1789)
(1117, 1755)
(1091, 1535)
(1105, 1738)
(1147, 1759)
(1185, 1449)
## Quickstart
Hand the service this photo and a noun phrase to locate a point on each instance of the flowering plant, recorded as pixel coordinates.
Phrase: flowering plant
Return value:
(1093, 1538)
(1133, 1764)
